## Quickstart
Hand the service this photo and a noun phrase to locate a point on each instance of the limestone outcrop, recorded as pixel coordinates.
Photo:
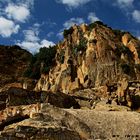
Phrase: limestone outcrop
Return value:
(91, 56)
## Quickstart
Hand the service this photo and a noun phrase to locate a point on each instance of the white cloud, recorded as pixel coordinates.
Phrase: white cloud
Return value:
(34, 47)
(37, 25)
(28, 3)
(125, 3)
(31, 35)
(60, 34)
(73, 21)
(136, 16)
(73, 3)
(92, 17)
(46, 43)
(50, 34)
(17, 12)
(32, 42)
(68, 24)
(11, 12)
(8, 27)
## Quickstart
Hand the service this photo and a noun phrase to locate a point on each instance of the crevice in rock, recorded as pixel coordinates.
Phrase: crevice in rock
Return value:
(12, 120)
(81, 98)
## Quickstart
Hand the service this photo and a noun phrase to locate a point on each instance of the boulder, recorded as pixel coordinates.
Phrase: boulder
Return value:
(103, 106)
(19, 96)
(70, 124)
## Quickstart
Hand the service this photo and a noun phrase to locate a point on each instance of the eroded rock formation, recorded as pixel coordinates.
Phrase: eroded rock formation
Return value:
(92, 56)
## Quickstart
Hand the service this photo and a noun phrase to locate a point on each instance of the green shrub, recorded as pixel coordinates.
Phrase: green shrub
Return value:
(62, 57)
(28, 72)
(137, 66)
(124, 50)
(81, 46)
(91, 26)
(119, 34)
(100, 23)
(94, 41)
(138, 50)
(126, 68)
(41, 62)
(68, 32)
(45, 70)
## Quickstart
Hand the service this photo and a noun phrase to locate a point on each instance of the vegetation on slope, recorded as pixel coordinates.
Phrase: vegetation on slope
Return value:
(41, 62)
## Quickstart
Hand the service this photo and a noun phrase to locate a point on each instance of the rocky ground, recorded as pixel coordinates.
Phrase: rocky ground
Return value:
(44, 115)
(49, 122)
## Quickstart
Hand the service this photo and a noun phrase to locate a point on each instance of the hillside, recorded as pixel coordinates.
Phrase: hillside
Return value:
(13, 62)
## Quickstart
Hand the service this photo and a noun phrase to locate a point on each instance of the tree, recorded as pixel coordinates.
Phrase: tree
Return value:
(41, 62)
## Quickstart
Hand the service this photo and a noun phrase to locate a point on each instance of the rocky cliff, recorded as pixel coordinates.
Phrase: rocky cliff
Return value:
(91, 56)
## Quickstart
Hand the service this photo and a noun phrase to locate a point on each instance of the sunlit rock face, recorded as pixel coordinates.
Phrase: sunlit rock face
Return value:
(91, 56)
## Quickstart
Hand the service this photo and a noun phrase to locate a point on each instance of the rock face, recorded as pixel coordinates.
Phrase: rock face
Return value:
(13, 62)
(92, 56)
(68, 124)
(19, 96)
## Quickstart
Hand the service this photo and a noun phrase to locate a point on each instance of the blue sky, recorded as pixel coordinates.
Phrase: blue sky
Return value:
(36, 23)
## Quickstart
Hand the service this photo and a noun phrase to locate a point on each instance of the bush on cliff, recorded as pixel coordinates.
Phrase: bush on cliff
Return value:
(41, 62)
(68, 32)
